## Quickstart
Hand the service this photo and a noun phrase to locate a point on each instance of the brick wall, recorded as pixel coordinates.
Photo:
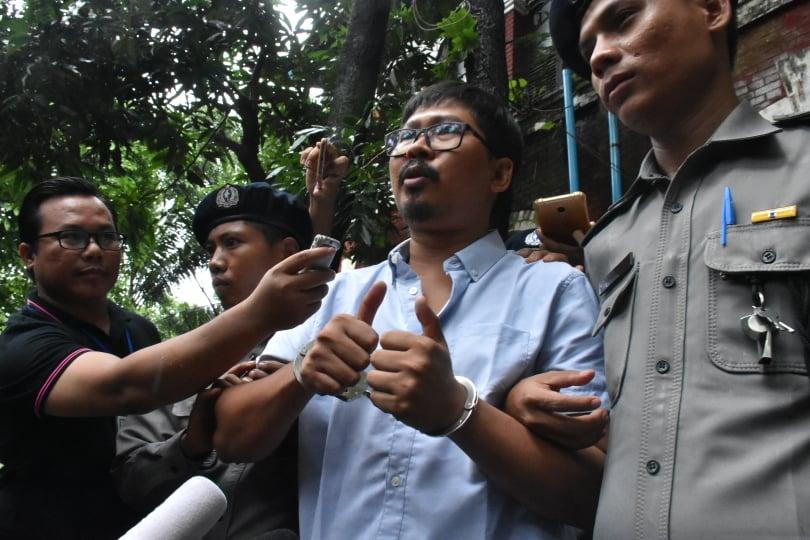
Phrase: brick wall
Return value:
(509, 35)
(773, 56)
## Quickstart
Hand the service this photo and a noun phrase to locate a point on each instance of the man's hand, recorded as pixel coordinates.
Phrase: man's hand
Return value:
(198, 440)
(537, 403)
(413, 376)
(343, 348)
(326, 181)
(551, 250)
(290, 291)
(325, 169)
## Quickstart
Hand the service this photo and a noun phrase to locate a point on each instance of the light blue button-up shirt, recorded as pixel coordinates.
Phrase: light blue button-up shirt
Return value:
(363, 474)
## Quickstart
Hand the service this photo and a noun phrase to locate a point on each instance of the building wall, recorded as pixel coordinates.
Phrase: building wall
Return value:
(774, 56)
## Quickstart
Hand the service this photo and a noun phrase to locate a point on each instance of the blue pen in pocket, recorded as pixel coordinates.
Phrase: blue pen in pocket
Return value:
(729, 216)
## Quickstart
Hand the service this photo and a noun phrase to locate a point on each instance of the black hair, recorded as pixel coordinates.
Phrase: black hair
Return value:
(29, 220)
(500, 129)
(272, 234)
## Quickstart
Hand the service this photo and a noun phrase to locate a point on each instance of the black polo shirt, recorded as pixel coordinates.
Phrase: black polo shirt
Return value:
(56, 482)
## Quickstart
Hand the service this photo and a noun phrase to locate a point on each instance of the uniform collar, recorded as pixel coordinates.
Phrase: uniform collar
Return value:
(744, 123)
(476, 259)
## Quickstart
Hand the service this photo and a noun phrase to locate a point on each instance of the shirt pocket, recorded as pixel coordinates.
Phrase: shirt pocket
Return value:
(616, 299)
(494, 356)
(776, 255)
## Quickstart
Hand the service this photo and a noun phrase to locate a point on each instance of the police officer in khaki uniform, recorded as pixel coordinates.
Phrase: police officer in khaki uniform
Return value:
(702, 274)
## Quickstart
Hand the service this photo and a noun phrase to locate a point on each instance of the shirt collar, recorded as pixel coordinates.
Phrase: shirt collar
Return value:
(743, 124)
(476, 259)
(50, 311)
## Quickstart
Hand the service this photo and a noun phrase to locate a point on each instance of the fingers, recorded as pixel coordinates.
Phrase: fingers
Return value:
(331, 366)
(324, 167)
(553, 245)
(384, 388)
(241, 368)
(431, 327)
(580, 234)
(563, 379)
(371, 302)
(336, 169)
(572, 432)
(573, 254)
(342, 349)
(534, 255)
(562, 403)
(229, 379)
(296, 263)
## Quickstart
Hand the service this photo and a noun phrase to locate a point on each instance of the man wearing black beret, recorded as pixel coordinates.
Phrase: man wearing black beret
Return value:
(246, 230)
(701, 274)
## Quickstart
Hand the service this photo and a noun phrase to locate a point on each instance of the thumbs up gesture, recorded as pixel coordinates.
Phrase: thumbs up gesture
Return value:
(343, 348)
(413, 376)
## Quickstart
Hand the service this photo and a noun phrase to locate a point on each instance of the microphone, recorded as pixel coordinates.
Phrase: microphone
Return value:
(187, 514)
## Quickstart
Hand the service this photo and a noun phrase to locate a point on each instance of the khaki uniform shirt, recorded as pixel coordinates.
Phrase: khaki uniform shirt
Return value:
(150, 465)
(705, 440)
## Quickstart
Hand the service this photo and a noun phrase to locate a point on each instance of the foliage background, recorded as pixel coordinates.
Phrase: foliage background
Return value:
(160, 101)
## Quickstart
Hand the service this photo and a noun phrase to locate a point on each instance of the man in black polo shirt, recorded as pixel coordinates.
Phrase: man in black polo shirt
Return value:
(70, 360)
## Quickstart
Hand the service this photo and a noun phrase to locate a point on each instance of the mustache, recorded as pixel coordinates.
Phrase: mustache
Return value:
(417, 167)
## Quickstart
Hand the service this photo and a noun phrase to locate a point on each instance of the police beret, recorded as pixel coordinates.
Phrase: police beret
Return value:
(257, 202)
(565, 19)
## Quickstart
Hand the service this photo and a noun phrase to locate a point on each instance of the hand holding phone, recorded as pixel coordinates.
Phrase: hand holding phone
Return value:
(321, 240)
(558, 217)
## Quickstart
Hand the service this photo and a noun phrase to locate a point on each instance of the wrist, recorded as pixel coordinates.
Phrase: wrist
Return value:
(470, 403)
(299, 362)
(194, 450)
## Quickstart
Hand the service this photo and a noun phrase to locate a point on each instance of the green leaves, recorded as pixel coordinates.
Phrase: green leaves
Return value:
(161, 101)
(459, 29)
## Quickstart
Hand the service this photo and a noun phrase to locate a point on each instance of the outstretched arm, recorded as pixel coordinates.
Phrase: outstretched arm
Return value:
(99, 384)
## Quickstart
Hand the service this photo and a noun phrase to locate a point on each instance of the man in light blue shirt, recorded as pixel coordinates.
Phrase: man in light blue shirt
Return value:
(442, 331)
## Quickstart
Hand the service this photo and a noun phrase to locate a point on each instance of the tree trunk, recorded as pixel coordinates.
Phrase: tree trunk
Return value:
(360, 61)
(486, 64)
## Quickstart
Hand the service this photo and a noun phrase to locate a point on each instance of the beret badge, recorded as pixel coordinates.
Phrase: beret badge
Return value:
(227, 197)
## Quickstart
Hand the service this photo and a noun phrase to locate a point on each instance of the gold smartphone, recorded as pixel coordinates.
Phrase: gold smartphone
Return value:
(558, 217)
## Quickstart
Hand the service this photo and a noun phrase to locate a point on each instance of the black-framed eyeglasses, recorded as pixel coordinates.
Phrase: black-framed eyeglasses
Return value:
(79, 239)
(439, 137)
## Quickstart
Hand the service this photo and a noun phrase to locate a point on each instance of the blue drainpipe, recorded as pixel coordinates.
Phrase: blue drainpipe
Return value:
(615, 158)
(570, 129)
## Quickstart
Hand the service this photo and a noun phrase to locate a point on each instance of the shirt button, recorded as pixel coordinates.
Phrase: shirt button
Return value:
(653, 467)
(768, 256)
(676, 207)
(474, 273)
(396, 481)
(668, 282)
(662, 366)
(412, 291)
